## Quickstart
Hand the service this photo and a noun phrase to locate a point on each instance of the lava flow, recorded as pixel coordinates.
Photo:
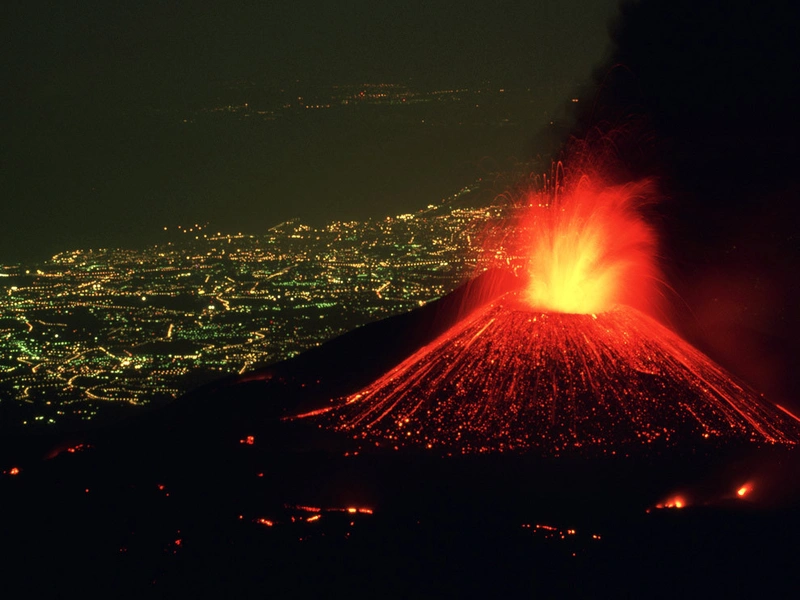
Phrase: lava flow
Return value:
(568, 363)
(510, 378)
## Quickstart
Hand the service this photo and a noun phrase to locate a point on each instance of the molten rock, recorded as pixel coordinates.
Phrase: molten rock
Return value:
(509, 377)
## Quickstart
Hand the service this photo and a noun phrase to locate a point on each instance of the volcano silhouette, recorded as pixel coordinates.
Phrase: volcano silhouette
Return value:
(509, 377)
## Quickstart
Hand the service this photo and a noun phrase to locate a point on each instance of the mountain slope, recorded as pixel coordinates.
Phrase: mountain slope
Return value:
(512, 378)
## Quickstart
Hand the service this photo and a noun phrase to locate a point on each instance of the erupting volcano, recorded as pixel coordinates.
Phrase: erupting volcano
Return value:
(512, 378)
(570, 362)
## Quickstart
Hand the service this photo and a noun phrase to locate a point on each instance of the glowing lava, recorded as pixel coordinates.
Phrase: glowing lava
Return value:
(589, 248)
(509, 378)
(569, 363)
(676, 502)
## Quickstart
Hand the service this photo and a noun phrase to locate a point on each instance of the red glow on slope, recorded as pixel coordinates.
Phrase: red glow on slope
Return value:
(790, 414)
(265, 522)
(675, 502)
(509, 378)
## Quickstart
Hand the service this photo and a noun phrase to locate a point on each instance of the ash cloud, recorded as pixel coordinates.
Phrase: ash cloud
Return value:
(711, 90)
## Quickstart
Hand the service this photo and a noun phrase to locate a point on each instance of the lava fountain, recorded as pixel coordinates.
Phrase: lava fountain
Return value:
(570, 362)
(588, 248)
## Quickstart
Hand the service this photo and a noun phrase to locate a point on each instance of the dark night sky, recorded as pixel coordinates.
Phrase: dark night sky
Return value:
(154, 47)
(85, 164)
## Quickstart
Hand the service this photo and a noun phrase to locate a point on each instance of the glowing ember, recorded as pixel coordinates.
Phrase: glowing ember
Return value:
(676, 502)
(744, 490)
(313, 509)
(292, 519)
(588, 249)
(78, 448)
(569, 363)
(509, 378)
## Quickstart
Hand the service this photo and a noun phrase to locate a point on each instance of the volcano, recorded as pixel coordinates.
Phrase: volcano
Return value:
(569, 361)
(511, 378)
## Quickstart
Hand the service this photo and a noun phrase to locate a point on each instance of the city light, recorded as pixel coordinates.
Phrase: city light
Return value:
(91, 328)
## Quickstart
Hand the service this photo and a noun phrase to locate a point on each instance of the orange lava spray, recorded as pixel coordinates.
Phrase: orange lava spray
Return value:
(588, 247)
(569, 363)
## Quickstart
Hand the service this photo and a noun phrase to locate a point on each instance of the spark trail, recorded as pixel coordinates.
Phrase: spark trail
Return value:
(512, 378)
(588, 249)
(568, 363)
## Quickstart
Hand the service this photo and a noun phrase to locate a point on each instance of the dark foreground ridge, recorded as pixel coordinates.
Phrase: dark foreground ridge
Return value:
(221, 495)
